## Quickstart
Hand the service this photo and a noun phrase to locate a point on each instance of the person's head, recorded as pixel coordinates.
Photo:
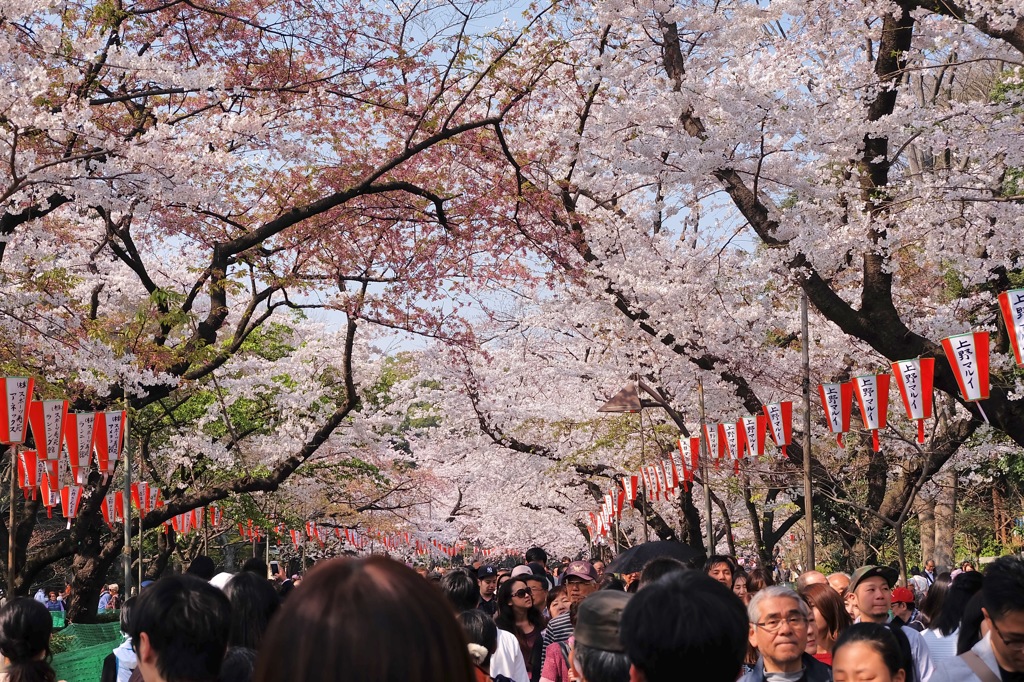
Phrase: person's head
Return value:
(257, 566)
(253, 604)
(778, 628)
(598, 653)
(930, 565)
(537, 554)
(480, 629)
(757, 580)
(739, 586)
(870, 590)
(202, 567)
(558, 601)
(487, 576)
(374, 618)
(114, 589)
(599, 568)
(810, 578)
(515, 602)
(829, 614)
(656, 568)
(840, 582)
(1003, 603)
(966, 567)
(972, 625)
(722, 568)
(179, 629)
(127, 608)
(963, 587)
(686, 621)
(903, 603)
(460, 589)
(538, 586)
(238, 666)
(868, 651)
(931, 605)
(25, 627)
(610, 581)
(580, 580)
(53, 595)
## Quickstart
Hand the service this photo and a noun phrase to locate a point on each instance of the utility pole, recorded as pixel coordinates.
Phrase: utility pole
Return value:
(808, 504)
(127, 506)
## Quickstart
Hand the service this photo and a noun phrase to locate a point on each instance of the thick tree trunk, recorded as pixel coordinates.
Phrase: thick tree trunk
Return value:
(926, 519)
(691, 531)
(945, 518)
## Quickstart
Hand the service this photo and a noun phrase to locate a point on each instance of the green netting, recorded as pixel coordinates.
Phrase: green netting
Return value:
(58, 619)
(82, 635)
(82, 665)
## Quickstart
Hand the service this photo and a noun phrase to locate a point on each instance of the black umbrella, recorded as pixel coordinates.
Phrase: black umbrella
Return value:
(635, 558)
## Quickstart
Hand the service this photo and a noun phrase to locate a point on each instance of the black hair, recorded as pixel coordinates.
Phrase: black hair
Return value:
(257, 566)
(716, 559)
(685, 621)
(886, 641)
(126, 614)
(536, 554)
(202, 567)
(186, 621)
(25, 627)
(527, 577)
(1003, 590)
(253, 603)
(461, 590)
(609, 581)
(970, 625)
(964, 586)
(662, 566)
(238, 666)
(597, 665)
(931, 605)
(505, 618)
(479, 628)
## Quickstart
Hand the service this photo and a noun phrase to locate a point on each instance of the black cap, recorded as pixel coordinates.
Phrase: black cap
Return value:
(890, 575)
(486, 572)
(597, 622)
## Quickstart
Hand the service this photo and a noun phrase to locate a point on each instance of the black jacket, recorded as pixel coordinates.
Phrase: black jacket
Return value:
(814, 671)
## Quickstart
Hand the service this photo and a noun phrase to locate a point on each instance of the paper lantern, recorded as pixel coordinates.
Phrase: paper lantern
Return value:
(779, 417)
(15, 394)
(914, 379)
(837, 399)
(1012, 305)
(872, 392)
(968, 356)
(78, 438)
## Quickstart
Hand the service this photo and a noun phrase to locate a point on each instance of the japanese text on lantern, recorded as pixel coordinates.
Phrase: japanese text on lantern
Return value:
(964, 350)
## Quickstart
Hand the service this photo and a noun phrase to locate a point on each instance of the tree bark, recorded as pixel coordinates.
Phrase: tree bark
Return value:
(945, 518)
(926, 519)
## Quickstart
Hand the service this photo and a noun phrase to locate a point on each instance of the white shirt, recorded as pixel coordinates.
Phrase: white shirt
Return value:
(941, 647)
(508, 659)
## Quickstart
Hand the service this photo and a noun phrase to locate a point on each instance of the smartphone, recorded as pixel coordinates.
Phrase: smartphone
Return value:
(275, 568)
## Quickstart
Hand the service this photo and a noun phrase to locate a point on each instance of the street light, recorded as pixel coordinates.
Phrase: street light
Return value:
(628, 400)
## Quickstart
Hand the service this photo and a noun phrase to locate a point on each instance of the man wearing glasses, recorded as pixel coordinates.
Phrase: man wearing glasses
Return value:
(999, 656)
(778, 629)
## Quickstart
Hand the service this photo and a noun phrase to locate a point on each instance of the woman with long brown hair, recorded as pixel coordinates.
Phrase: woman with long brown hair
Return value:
(364, 620)
(829, 615)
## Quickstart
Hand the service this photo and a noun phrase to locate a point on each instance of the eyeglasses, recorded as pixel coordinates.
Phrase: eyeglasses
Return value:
(522, 593)
(773, 624)
(1016, 645)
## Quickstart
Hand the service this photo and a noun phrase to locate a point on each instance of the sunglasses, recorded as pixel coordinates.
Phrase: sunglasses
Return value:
(522, 593)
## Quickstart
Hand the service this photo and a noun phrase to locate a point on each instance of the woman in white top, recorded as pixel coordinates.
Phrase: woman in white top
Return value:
(943, 631)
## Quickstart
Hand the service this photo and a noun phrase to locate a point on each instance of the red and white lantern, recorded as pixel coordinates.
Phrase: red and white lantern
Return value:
(78, 438)
(968, 356)
(754, 432)
(837, 401)
(689, 448)
(779, 417)
(46, 418)
(914, 378)
(729, 441)
(629, 484)
(712, 440)
(1012, 304)
(15, 394)
(109, 439)
(70, 498)
(28, 473)
(873, 398)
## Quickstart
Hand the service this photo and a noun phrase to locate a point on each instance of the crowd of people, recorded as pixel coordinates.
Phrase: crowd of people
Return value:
(374, 620)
